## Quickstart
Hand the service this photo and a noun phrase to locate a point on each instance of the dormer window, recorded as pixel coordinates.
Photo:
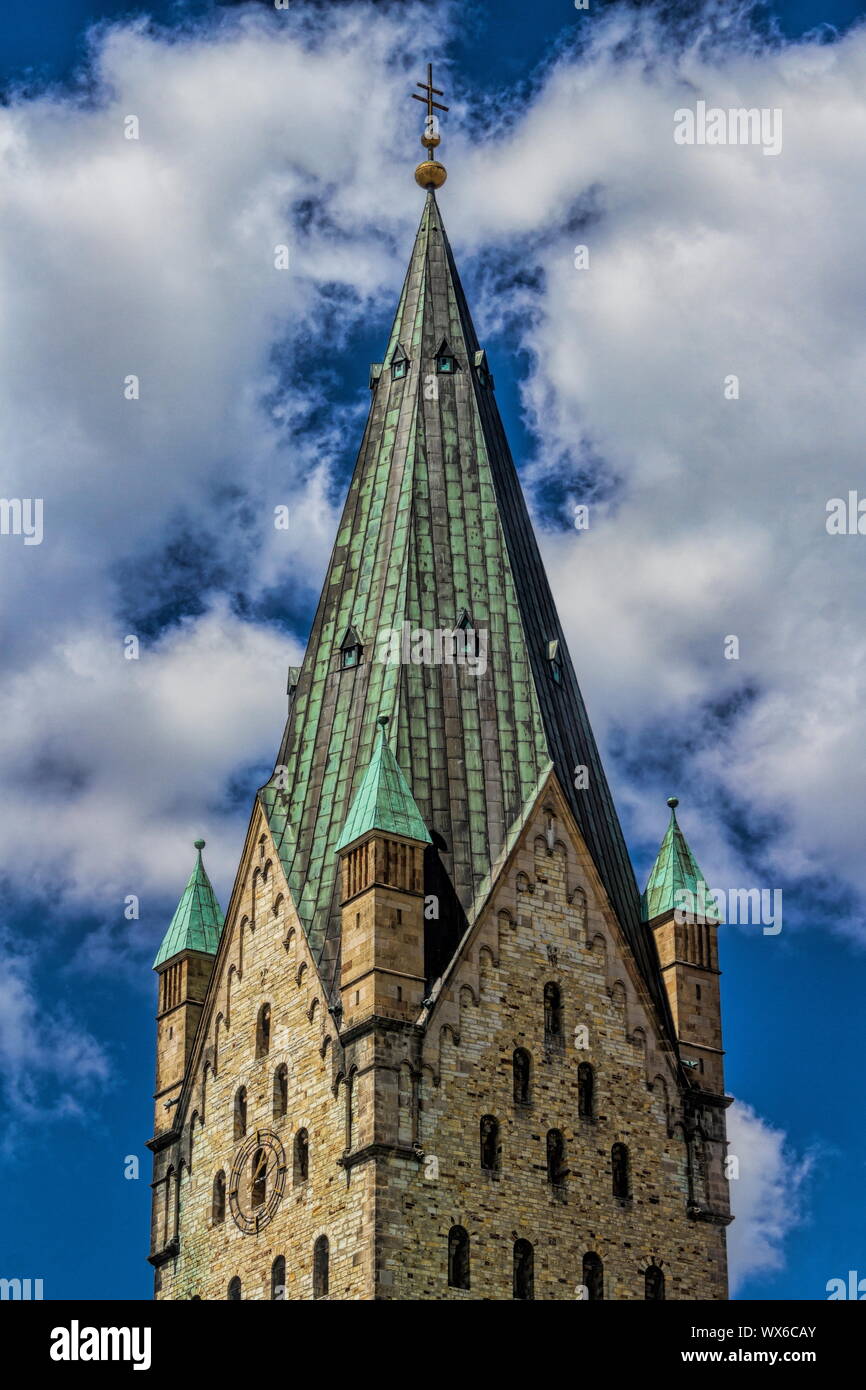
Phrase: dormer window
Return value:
(446, 364)
(469, 636)
(292, 682)
(554, 662)
(399, 363)
(482, 370)
(350, 650)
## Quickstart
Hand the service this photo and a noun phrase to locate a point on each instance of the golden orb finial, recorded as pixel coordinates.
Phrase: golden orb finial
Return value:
(430, 173)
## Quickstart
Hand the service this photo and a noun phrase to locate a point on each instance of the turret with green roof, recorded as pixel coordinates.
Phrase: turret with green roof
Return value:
(384, 800)
(198, 920)
(184, 964)
(684, 923)
(676, 870)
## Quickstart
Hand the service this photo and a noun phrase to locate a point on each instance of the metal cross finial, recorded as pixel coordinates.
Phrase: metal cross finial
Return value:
(429, 92)
(430, 174)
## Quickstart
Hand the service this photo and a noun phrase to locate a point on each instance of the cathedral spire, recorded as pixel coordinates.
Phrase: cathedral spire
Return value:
(437, 572)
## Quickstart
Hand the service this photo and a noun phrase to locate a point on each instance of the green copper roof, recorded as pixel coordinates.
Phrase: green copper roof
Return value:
(198, 921)
(435, 523)
(384, 800)
(676, 870)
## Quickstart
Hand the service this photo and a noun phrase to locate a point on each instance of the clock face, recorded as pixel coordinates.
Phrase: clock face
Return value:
(257, 1181)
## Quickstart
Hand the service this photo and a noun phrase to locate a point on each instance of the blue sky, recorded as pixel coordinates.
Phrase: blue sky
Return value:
(148, 258)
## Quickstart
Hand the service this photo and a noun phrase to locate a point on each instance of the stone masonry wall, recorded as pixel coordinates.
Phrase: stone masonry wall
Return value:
(546, 922)
(265, 958)
(387, 1215)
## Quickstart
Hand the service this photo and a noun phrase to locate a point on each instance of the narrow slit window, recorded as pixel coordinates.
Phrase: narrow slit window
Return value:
(321, 1269)
(490, 1148)
(585, 1091)
(524, 1273)
(458, 1258)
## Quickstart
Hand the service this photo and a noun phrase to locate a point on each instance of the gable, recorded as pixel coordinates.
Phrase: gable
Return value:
(262, 938)
(550, 888)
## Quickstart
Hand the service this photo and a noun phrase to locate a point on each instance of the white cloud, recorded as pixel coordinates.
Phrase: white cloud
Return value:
(132, 763)
(703, 262)
(156, 257)
(768, 1198)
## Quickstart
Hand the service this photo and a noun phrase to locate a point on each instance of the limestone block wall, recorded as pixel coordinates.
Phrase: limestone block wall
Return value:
(547, 921)
(264, 959)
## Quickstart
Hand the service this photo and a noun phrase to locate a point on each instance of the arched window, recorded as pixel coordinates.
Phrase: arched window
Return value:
(302, 1156)
(619, 1166)
(458, 1258)
(321, 1260)
(524, 1270)
(170, 1199)
(654, 1283)
(234, 1293)
(240, 1112)
(522, 1070)
(490, 1150)
(585, 1091)
(593, 1277)
(278, 1278)
(556, 1169)
(263, 1031)
(552, 1013)
(218, 1205)
(258, 1178)
(192, 1124)
(281, 1091)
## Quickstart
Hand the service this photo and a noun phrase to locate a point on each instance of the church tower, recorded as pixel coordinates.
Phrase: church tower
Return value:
(183, 964)
(444, 1052)
(682, 916)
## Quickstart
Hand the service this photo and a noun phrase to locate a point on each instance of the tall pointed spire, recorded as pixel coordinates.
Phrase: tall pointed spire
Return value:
(435, 523)
(675, 872)
(198, 919)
